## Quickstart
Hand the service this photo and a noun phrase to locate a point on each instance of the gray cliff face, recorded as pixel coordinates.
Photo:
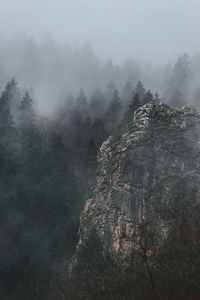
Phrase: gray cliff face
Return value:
(153, 165)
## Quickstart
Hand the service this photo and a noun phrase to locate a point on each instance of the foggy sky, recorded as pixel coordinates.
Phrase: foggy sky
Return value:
(153, 29)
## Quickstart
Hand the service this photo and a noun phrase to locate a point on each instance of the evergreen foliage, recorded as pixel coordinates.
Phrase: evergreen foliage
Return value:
(47, 166)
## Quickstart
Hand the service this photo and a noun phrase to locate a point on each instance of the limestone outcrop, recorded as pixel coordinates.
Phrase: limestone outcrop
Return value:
(154, 163)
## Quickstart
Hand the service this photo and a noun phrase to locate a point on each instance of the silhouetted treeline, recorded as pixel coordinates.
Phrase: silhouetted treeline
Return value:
(47, 165)
(54, 71)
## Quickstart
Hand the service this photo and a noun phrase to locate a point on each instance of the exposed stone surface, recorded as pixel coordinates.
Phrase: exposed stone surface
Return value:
(153, 164)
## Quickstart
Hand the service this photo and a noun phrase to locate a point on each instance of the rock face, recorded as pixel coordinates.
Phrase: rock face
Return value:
(153, 165)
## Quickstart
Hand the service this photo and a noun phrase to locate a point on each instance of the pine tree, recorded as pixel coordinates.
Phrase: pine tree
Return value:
(65, 110)
(6, 118)
(157, 98)
(98, 132)
(127, 94)
(140, 91)
(110, 89)
(114, 109)
(148, 97)
(90, 159)
(97, 104)
(27, 132)
(8, 142)
(135, 103)
(27, 112)
(178, 89)
(128, 116)
(81, 102)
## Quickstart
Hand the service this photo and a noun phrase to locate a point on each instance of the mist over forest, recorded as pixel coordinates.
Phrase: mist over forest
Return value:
(49, 158)
(51, 72)
(72, 75)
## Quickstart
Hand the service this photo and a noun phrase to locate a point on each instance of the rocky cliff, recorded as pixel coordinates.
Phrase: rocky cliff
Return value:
(153, 165)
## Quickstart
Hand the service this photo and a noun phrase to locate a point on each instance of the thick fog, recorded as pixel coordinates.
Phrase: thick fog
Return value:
(72, 74)
(56, 47)
(156, 29)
